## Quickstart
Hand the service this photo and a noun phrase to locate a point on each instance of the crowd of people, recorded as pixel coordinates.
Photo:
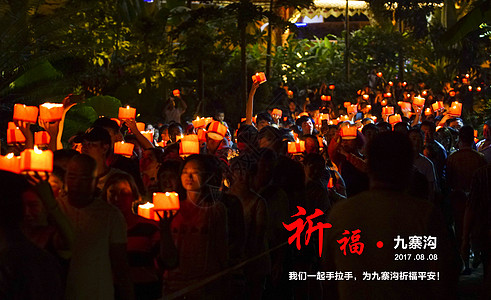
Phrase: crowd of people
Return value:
(75, 233)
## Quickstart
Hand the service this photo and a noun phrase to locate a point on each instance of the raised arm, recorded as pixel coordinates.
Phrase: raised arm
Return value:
(146, 144)
(250, 103)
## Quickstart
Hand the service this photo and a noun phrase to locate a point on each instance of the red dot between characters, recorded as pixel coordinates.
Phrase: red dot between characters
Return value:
(380, 244)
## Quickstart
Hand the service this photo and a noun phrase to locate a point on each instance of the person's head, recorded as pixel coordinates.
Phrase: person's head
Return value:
(263, 119)
(175, 129)
(35, 214)
(220, 116)
(96, 142)
(429, 129)
(164, 133)
(57, 181)
(112, 128)
(269, 137)
(265, 167)
(311, 143)
(246, 138)
(384, 127)
(366, 121)
(314, 164)
(401, 127)
(486, 130)
(121, 191)
(466, 136)
(12, 187)
(306, 124)
(390, 160)
(444, 136)
(168, 176)
(369, 131)
(243, 169)
(62, 157)
(416, 136)
(292, 106)
(151, 159)
(199, 173)
(81, 180)
(455, 123)
(364, 107)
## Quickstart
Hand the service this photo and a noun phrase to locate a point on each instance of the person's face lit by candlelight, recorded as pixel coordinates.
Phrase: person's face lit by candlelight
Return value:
(192, 176)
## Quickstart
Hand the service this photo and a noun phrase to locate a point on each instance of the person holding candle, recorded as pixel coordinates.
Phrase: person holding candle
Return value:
(173, 110)
(199, 232)
(99, 267)
(143, 245)
(26, 271)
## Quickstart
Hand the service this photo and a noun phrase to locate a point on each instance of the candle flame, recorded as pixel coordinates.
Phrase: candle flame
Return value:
(127, 107)
(10, 155)
(51, 105)
(167, 193)
(147, 205)
(37, 151)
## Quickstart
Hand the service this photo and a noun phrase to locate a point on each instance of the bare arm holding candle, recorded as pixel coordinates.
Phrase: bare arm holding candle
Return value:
(250, 103)
(168, 251)
(52, 129)
(417, 111)
(146, 144)
(26, 131)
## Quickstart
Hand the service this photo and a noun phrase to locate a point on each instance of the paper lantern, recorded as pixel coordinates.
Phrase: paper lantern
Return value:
(26, 113)
(475, 133)
(166, 201)
(365, 96)
(391, 83)
(395, 119)
(428, 111)
(470, 88)
(277, 112)
(323, 116)
(388, 95)
(14, 134)
(290, 94)
(379, 74)
(389, 110)
(369, 107)
(326, 98)
(404, 105)
(141, 126)
(10, 163)
(465, 81)
(51, 112)
(41, 138)
(419, 101)
(347, 104)
(127, 113)
(189, 145)
(148, 135)
(201, 135)
(352, 109)
(437, 106)
(36, 160)
(176, 93)
(404, 83)
(424, 93)
(217, 130)
(348, 132)
(332, 87)
(123, 148)
(455, 110)
(383, 102)
(478, 89)
(147, 211)
(296, 147)
(259, 77)
(451, 93)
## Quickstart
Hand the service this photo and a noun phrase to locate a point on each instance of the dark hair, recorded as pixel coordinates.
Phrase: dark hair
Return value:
(384, 126)
(466, 135)
(118, 177)
(370, 128)
(12, 186)
(431, 125)
(401, 127)
(271, 133)
(390, 158)
(301, 120)
(316, 161)
(106, 123)
(264, 116)
(211, 169)
(86, 161)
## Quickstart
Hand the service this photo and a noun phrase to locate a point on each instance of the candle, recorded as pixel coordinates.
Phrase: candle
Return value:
(141, 126)
(201, 135)
(348, 132)
(25, 113)
(428, 111)
(347, 104)
(478, 89)
(51, 112)
(259, 77)
(451, 93)
(330, 184)
(148, 135)
(14, 134)
(166, 201)
(391, 83)
(41, 138)
(147, 211)
(343, 118)
(470, 88)
(332, 87)
(176, 93)
(10, 163)
(387, 95)
(395, 119)
(383, 102)
(290, 94)
(467, 75)
(36, 160)
(455, 110)
(404, 83)
(424, 93)
(419, 101)
(179, 137)
(437, 106)
(127, 113)
(123, 148)
(217, 130)
(277, 112)
(404, 105)
(365, 96)
(389, 110)
(369, 107)
(379, 74)
(352, 109)
(296, 147)
(189, 145)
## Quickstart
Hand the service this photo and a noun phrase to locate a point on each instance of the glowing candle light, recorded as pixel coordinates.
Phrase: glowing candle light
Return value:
(25, 113)
(10, 163)
(166, 201)
(189, 145)
(51, 112)
(36, 160)
(41, 138)
(127, 113)
(123, 148)
(395, 119)
(296, 147)
(419, 101)
(259, 77)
